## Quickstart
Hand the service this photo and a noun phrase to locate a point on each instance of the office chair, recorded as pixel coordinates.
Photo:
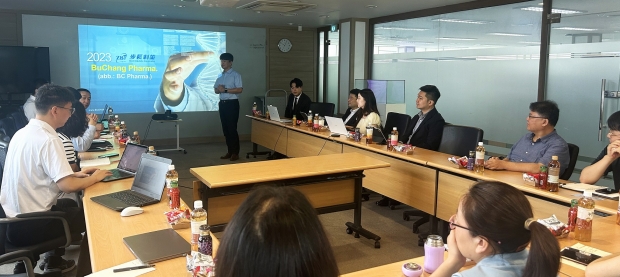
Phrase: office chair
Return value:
(573, 152)
(398, 120)
(19, 118)
(456, 140)
(323, 109)
(7, 126)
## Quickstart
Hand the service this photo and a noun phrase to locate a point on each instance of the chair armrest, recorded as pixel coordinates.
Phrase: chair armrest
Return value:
(19, 255)
(57, 215)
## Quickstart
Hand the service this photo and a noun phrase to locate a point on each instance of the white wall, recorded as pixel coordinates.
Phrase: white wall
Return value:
(60, 35)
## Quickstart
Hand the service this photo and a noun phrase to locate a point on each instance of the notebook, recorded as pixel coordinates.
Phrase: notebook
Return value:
(157, 246)
(128, 165)
(275, 116)
(336, 125)
(146, 189)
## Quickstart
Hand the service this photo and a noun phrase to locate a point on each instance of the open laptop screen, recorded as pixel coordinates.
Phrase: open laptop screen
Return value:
(151, 176)
(131, 157)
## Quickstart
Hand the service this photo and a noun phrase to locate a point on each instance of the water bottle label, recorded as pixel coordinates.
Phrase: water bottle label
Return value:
(195, 225)
(479, 155)
(583, 213)
(553, 179)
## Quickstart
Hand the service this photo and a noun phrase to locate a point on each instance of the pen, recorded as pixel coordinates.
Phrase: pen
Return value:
(116, 270)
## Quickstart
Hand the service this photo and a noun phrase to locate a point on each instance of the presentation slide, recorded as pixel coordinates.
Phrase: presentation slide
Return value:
(144, 70)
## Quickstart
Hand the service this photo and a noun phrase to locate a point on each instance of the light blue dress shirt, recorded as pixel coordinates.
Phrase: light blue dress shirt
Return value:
(500, 265)
(230, 79)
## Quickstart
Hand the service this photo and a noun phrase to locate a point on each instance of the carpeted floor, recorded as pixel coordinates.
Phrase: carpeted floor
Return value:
(352, 254)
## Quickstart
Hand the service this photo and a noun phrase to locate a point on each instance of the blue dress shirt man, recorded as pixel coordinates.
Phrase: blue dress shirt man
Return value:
(229, 85)
(536, 147)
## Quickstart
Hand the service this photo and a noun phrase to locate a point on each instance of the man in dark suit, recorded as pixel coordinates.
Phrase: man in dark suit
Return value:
(352, 116)
(425, 128)
(298, 102)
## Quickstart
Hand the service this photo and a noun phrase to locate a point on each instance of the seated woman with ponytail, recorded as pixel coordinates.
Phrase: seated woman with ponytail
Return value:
(493, 227)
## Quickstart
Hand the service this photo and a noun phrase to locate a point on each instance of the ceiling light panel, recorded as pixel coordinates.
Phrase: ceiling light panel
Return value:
(465, 21)
(558, 10)
(449, 38)
(508, 34)
(402, 29)
(574, 29)
(274, 6)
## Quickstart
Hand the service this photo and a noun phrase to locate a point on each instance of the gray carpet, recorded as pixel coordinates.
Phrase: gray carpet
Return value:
(352, 254)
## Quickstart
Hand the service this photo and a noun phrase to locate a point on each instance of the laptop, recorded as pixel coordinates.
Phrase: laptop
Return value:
(146, 189)
(128, 165)
(157, 246)
(336, 125)
(105, 110)
(275, 116)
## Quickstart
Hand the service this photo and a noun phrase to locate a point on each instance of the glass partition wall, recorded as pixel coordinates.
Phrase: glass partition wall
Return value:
(584, 73)
(484, 62)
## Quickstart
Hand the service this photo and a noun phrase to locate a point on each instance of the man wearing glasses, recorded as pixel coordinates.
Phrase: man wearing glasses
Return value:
(607, 160)
(37, 172)
(536, 147)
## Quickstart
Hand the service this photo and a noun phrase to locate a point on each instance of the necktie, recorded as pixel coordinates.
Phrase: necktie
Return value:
(295, 102)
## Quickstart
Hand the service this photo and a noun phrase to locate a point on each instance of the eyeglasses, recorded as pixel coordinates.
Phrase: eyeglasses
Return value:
(531, 116)
(613, 134)
(454, 225)
(71, 109)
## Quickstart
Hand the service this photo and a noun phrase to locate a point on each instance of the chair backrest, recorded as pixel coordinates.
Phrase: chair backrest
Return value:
(323, 109)
(398, 120)
(3, 228)
(573, 152)
(459, 140)
(19, 118)
(7, 126)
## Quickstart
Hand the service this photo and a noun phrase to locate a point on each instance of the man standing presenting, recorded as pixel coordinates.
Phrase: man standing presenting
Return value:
(536, 147)
(351, 117)
(298, 102)
(36, 174)
(229, 85)
(425, 128)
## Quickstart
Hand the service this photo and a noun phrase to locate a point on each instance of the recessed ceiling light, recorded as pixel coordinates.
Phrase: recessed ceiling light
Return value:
(231, 20)
(529, 42)
(466, 21)
(402, 29)
(288, 14)
(574, 29)
(371, 6)
(448, 38)
(163, 15)
(84, 10)
(179, 6)
(258, 12)
(508, 34)
(189, 0)
(540, 9)
(290, 24)
(293, 1)
(323, 16)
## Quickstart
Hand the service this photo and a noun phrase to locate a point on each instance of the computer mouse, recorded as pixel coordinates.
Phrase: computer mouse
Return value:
(129, 211)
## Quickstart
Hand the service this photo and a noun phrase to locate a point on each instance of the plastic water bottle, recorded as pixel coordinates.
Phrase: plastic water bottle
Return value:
(152, 151)
(479, 165)
(205, 242)
(198, 218)
(172, 176)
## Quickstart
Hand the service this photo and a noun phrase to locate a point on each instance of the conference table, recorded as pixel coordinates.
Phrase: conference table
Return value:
(330, 182)
(425, 180)
(604, 234)
(106, 228)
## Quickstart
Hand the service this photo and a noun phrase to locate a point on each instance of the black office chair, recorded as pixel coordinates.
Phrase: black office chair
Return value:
(323, 109)
(573, 152)
(7, 126)
(398, 120)
(456, 140)
(19, 118)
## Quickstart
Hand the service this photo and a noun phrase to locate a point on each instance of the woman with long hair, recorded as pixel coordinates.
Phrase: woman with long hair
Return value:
(276, 233)
(367, 102)
(493, 226)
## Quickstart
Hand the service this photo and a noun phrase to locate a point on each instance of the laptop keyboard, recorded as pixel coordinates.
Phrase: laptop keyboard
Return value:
(131, 198)
(117, 173)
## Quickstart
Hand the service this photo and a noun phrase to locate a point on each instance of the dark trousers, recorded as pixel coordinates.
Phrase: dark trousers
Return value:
(38, 231)
(229, 116)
